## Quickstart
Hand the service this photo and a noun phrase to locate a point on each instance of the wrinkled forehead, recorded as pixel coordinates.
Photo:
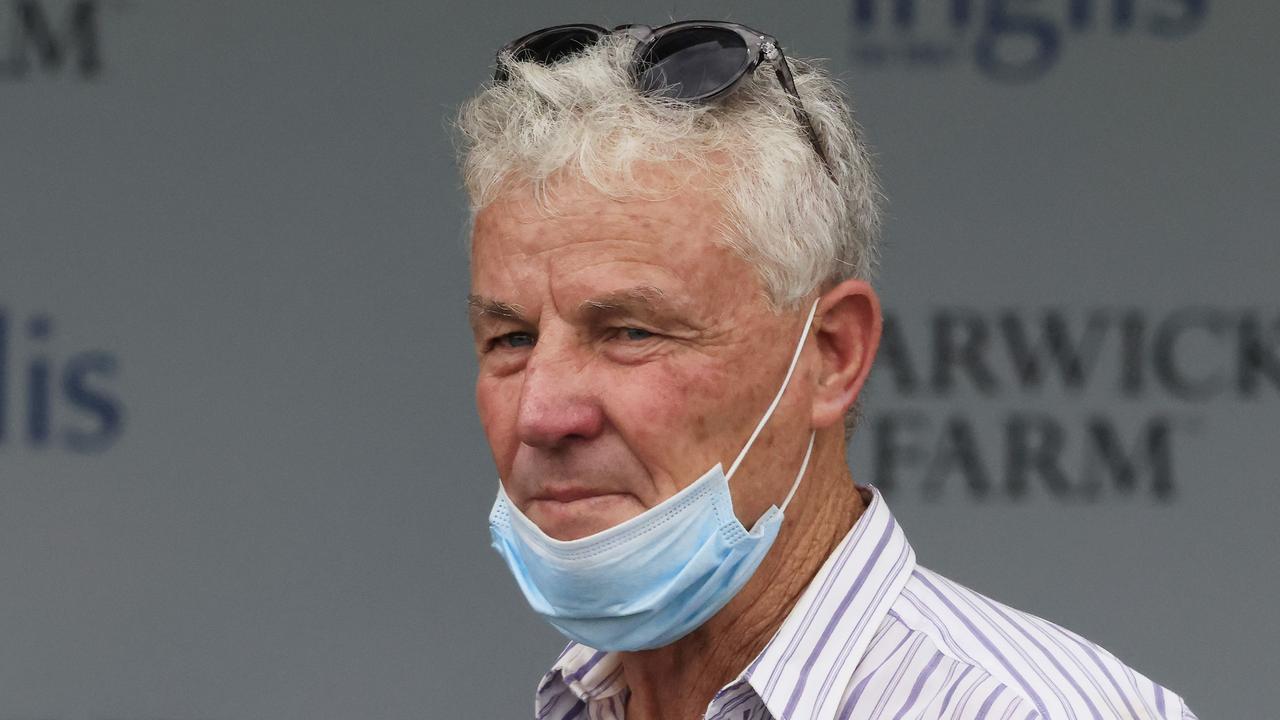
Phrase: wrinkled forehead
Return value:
(576, 238)
(645, 191)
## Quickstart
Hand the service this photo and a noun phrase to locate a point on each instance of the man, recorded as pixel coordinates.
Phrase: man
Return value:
(672, 245)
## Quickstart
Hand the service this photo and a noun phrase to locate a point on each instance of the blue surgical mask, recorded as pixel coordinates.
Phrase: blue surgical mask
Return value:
(653, 579)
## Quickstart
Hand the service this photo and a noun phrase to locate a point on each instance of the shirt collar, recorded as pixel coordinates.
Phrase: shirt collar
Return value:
(804, 669)
(581, 673)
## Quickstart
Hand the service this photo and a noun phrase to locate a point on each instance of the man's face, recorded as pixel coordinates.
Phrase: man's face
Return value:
(622, 354)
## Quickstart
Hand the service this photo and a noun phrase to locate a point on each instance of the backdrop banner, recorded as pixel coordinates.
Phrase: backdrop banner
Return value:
(241, 472)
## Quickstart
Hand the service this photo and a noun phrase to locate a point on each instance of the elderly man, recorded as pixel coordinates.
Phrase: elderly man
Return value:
(672, 245)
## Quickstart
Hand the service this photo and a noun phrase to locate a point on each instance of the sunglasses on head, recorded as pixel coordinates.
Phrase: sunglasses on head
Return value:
(695, 61)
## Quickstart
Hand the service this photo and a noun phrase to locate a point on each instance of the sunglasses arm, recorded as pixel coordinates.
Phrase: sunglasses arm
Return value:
(783, 70)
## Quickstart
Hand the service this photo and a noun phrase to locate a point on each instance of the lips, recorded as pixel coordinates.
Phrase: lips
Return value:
(572, 513)
(570, 494)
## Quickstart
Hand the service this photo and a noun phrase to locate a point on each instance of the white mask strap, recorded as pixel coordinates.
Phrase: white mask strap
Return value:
(795, 359)
(804, 465)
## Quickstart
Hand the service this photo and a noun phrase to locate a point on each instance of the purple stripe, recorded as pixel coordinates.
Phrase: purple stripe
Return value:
(920, 681)
(605, 680)
(743, 693)
(967, 599)
(1098, 661)
(852, 638)
(852, 700)
(900, 672)
(938, 625)
(1159, 698)
(968, 694)
(1133, 681)
(576, 711)
(986, 706)
(548, 708)
(748, 693)
(946, 701)
(572, 644)
(834, 620)
(586, 667)
(1052, 633)
(986, 642)
(1071, 679)
(871, 515)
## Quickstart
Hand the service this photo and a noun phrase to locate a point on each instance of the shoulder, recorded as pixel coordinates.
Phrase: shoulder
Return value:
(991, 660)
(906, 672)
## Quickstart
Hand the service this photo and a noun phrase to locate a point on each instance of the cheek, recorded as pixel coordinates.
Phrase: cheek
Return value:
(700, 396)
(496, 404)
(668, 415)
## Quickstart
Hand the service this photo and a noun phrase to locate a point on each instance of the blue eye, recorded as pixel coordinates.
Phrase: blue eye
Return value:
(515, 340)
(636, 333)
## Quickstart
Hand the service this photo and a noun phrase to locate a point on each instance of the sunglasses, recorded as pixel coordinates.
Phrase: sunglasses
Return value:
(696, 61)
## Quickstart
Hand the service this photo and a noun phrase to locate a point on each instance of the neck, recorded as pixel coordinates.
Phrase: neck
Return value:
(679, 680)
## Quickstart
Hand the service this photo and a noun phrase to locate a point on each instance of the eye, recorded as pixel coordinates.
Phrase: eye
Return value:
(512, 340)
(631, 333)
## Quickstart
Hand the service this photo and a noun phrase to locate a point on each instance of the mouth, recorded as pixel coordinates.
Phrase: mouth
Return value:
(566, 495)
(574, 501)
(567, 514)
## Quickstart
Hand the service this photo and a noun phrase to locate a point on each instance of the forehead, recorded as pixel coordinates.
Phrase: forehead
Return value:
(585, 238)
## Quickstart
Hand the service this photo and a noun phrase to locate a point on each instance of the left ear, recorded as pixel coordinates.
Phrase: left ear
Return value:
(847, 331)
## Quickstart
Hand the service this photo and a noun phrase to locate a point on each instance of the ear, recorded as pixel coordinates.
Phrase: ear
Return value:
(847, 331)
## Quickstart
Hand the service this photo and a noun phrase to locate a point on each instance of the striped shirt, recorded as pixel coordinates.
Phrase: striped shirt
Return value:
(876, 636)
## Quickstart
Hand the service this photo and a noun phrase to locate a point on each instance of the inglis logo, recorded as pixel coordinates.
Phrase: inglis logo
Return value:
(52, 389)
(1007, 40)
(50, 36)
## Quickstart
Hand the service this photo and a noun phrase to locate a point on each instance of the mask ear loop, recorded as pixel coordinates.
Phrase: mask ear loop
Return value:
(795, 359)
(800, 475)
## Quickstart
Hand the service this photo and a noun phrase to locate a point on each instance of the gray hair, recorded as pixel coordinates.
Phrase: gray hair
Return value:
(784, 214)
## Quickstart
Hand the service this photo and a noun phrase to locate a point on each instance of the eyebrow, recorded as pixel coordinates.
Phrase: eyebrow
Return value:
(639, 300)
(479, 306)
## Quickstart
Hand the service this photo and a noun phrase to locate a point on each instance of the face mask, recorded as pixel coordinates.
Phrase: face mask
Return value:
(653, 579)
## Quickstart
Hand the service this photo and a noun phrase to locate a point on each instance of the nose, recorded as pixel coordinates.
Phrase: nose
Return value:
(556, 405)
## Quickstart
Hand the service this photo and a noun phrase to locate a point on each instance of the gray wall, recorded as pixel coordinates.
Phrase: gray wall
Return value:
(240, 473)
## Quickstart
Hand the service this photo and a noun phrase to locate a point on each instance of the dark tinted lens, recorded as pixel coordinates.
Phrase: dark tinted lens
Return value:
(556, 45)
(694, 63)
